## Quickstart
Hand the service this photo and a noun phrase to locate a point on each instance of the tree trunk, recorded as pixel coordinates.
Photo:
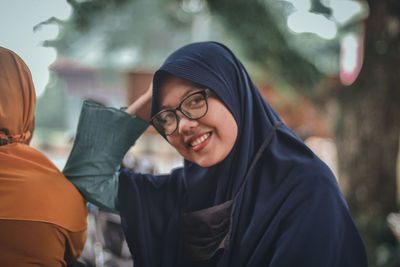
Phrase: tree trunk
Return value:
(368, 128)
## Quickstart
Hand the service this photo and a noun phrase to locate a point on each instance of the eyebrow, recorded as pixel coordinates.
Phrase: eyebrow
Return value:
(189, 91)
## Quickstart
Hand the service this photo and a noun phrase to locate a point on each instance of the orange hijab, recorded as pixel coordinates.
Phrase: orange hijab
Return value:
(31, 187)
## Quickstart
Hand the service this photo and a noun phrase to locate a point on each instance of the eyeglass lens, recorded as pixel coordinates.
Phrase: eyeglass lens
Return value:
(193, 107)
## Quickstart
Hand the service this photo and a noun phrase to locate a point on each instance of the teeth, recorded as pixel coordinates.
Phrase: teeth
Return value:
(199, 140)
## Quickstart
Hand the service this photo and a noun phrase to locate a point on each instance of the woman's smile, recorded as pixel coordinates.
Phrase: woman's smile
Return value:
(200, 142)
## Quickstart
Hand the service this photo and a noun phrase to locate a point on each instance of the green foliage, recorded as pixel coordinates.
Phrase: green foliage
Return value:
(105, 33)
(252, 23)
(84, 11)
(149, 30)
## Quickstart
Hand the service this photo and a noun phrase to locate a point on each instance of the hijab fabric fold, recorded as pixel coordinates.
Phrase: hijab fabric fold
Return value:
(18, 98)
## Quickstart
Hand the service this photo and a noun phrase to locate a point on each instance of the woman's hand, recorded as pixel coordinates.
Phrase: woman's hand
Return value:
(141, 107)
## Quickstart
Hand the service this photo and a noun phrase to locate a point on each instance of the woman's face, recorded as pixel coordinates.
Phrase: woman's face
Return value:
(206, 141)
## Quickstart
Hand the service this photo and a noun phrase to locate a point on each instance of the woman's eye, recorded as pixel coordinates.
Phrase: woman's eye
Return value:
(196, 101)
(167, 118)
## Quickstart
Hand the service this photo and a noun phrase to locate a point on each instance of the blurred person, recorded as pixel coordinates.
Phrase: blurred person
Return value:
(250, 193)
(42, 215)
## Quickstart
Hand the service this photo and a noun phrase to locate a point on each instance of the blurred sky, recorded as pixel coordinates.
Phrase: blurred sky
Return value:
(17, 19)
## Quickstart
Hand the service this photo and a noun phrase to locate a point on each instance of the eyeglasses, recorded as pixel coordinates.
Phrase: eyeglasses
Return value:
(193, 106)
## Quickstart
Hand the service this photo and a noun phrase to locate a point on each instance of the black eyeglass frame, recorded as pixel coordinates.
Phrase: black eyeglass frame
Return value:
(204, 93)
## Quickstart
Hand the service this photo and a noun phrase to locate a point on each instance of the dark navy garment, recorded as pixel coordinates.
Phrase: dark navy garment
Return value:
(290, 211)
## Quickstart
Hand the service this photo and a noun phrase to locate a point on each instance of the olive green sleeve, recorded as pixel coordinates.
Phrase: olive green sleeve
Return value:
(103, 137)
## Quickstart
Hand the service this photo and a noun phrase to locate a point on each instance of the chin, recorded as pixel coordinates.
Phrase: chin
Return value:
(204, 160)
(207, 162)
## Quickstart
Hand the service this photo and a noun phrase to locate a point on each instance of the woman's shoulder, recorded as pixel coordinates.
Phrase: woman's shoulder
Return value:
(312, 179)
(39, 190)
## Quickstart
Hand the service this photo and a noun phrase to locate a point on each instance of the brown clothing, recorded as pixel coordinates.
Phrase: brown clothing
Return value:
(42, 215)
(28, 243)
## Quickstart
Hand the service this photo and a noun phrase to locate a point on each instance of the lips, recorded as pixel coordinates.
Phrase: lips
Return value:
(198, 142)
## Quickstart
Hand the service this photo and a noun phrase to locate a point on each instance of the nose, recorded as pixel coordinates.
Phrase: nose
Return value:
(186, 125)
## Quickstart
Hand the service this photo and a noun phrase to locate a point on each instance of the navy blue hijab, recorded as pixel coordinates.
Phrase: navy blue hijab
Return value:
(288, 212)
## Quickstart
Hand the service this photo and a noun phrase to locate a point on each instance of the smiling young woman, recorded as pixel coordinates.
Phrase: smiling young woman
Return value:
(250, 192)
(207, 140)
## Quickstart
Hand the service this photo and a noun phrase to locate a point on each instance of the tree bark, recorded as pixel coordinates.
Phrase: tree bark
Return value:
(368, 128)
(368, 125)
